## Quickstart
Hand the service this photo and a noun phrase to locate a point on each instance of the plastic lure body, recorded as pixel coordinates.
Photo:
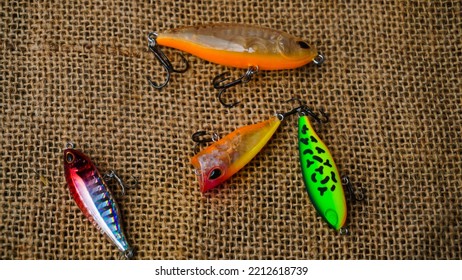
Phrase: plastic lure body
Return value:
(219, 161)
(91, 194)
(321, 176)
(241, 46)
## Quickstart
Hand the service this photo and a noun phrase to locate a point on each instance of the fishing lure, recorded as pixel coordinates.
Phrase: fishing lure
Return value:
(90, 192)
(235, 45)
(320, 174)
(219, 161)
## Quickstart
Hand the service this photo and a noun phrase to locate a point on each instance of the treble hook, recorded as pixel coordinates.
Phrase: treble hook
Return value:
(315, 116)
(349, 187)
(353, 197)
(252, 70)
(113, 175)
(196, 137)
(163, 59)
(305, 110)
(282, 116)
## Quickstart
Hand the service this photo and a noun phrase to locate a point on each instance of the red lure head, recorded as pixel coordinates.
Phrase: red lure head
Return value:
(211, 167)
(75, 159)
(75, 162)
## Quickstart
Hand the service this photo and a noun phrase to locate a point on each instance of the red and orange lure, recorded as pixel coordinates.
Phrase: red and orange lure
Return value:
(219, 161)
(235, 45)
(222, 159)
(90, 192)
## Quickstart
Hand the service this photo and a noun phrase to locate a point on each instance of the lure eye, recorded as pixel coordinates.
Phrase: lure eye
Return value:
(214, 174)
(303, 45)
(69, 157)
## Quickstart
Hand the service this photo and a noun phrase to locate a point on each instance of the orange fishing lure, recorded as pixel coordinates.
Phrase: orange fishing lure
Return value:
(219, 161)
(240, 46)
(225, 157)
(235, 45)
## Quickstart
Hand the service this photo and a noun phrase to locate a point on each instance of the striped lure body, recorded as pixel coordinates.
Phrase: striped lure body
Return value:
(321, 176)
(240, 45)
(91, 194)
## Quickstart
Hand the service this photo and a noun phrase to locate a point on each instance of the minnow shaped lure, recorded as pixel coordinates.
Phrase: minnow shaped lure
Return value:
(222, 159)
(93, 197)
(321, 176)
(235, 45)
(240, 45)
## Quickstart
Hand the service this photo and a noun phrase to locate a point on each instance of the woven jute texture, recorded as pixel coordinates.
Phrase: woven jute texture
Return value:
(77, 71)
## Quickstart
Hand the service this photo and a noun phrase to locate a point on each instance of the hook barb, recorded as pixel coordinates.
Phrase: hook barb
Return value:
(164, 61)
(162, 85)
(218, 83)
(226, 105)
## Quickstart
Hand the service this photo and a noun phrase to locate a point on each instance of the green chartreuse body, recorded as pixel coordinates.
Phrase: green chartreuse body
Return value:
(321, 176)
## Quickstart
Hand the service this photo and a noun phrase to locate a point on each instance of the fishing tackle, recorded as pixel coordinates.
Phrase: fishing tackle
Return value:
(222, 159)
(90, 192)
(235, 45)
(165, 62)
(320, 174)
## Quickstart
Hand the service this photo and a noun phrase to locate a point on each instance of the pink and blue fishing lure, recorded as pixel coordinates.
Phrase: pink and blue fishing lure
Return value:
(93, 197)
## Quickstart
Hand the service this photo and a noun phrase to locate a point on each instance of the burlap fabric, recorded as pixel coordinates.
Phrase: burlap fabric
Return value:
(78, 72)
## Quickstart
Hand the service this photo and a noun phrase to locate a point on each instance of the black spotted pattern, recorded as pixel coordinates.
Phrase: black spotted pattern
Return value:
(322, 190)
(320, 169)
(332, 175)
(318, 161)
(317, 158)
(313, 178)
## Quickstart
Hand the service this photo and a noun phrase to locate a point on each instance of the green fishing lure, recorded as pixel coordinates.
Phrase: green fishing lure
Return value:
(320, 174)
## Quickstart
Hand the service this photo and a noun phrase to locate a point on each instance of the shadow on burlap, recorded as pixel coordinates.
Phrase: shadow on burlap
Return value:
(78, 72)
